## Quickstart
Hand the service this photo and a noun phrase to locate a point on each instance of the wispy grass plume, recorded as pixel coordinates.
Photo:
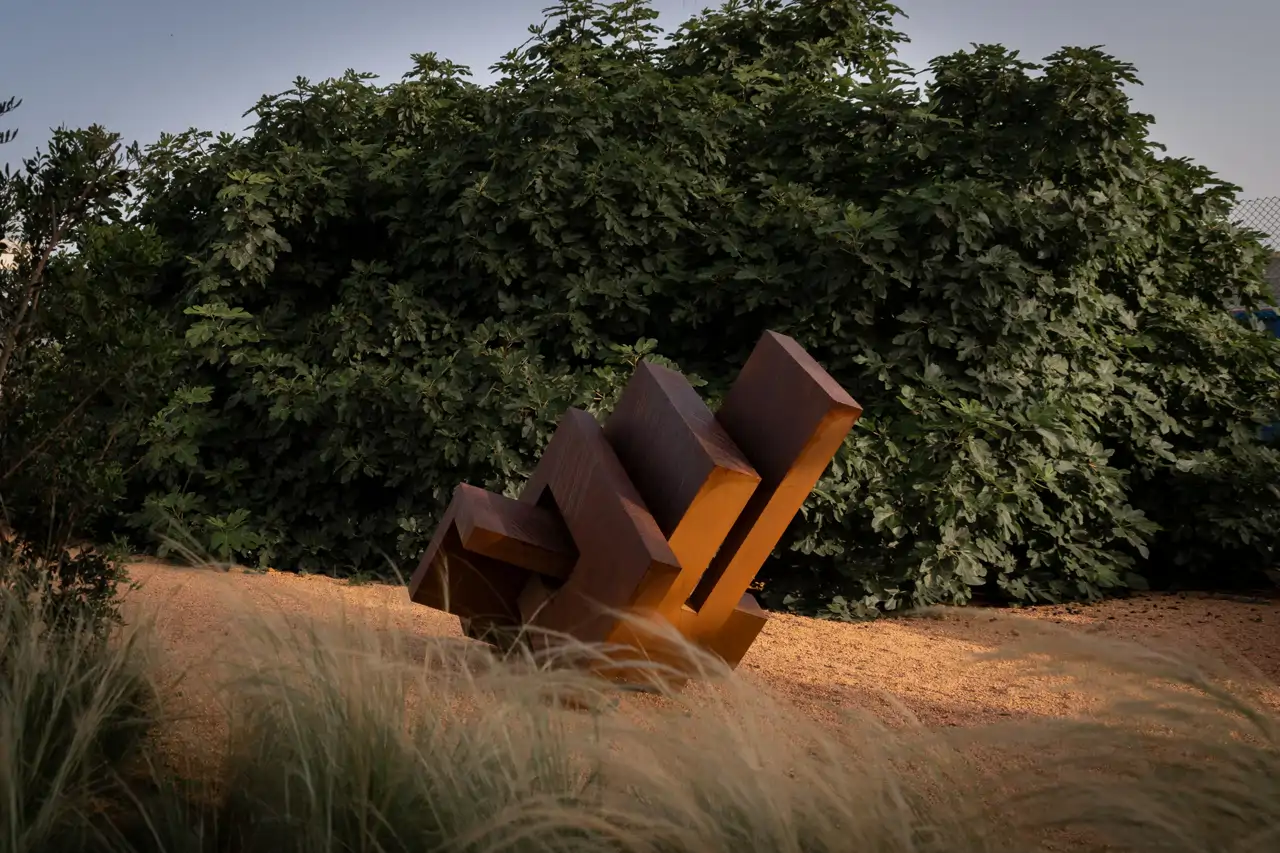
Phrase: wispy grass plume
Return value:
(75, 708)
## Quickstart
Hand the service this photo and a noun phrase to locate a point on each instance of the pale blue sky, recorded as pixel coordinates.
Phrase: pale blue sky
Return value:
(142, 66)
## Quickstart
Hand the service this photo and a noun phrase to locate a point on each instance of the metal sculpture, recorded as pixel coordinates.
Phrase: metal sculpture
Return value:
(666, 513)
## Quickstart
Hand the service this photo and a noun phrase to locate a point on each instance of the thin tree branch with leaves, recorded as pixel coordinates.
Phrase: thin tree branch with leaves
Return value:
(82, 177)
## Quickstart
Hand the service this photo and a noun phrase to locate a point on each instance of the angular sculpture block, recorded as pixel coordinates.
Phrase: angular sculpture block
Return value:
(694, 480)
(665, 514)
(789, 417)
(624, 560)
(484, 550)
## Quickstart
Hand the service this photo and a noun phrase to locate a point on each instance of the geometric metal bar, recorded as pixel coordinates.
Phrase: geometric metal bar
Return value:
(479, 559)
(789, 417)
(624, 562)
(506, 529)
(481, 590)
(692, 477)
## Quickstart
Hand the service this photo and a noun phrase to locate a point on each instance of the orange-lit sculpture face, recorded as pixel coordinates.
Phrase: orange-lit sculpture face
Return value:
(667, 512)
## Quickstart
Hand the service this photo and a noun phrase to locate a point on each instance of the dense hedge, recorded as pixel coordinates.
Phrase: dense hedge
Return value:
(384, 290)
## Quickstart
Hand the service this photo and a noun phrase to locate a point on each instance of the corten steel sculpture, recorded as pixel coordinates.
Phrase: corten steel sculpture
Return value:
(667, 512)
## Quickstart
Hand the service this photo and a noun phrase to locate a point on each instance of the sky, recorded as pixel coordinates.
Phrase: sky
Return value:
(141, 67)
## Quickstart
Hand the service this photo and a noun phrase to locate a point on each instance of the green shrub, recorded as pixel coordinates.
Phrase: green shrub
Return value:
(74, 589)
(85, 353)
(69, 432)
(386, 290)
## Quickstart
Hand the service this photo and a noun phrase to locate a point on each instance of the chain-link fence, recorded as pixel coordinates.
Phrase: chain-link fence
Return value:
(1261, 214)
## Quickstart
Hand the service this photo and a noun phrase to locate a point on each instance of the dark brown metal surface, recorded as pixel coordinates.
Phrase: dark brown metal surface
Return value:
(789, 417)
(624, 561)
(690, 474)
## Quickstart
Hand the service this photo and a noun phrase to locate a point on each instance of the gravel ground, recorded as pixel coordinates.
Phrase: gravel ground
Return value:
(932, 666)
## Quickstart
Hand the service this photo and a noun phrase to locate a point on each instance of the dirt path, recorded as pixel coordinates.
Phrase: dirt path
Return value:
(926, 664)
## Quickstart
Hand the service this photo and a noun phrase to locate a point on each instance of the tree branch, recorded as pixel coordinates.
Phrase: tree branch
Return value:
(35, 281)
(62, 424)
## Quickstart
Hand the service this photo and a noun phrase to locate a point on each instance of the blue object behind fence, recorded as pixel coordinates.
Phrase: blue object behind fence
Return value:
(1271, 321)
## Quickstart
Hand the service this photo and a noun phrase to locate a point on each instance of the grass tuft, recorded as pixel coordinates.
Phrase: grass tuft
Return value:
(76, 706)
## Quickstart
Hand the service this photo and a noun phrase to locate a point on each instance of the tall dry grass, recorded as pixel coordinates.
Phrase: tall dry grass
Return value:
(1182, 756)
(347, 738)
(75, 712)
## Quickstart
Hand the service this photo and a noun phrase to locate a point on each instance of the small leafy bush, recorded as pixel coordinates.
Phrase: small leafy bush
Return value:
(75, 590)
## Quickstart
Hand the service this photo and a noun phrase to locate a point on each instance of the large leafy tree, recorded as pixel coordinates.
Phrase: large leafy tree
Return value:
(61, 375)
(392, 288)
